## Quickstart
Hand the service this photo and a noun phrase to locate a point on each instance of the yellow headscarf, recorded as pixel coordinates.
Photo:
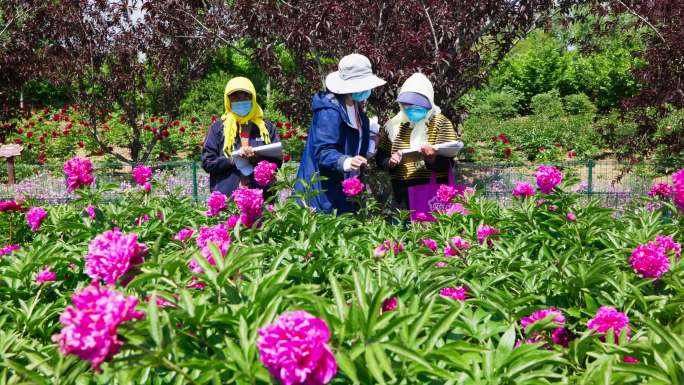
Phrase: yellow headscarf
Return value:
(231, 121)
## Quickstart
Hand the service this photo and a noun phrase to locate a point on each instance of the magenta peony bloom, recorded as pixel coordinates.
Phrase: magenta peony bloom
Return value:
(147, 187)
(90, 325)
(184, 234)
(678, 182)
(141, 175)
(457, 293)
(9, 249)
(446, 193)
(669, 245)
(145, 218)
(11, 206)
(430, 244)
(249, 202)
(630, 360)
(352, 187)
(571, 217)
(441, 264)
(389, 304)
(485, 232)
(650, 260)
(216, 203)
(196, 284)
(264, 173)
(294, 349)
(606, 318)
(232, 221)
(219, 236)
(90, 210)
(548, 177)
(45, 275)
(661, 190)
(111, 254)
(386, 246)
(79, 173)
(460, 245)
(523, 189)
(559, 335)
(35, 217)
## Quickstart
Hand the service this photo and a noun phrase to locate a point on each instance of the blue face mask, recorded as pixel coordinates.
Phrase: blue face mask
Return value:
(416, 113)
(361, 96)
(241, 108)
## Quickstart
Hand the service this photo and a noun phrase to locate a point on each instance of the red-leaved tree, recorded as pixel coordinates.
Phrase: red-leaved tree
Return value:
(134, 55)
(456, 42)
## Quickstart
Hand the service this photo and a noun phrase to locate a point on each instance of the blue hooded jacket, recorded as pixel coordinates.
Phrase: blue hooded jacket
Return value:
(331, 140)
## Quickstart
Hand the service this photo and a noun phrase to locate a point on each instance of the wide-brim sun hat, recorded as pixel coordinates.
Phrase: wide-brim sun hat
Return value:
(354, 74)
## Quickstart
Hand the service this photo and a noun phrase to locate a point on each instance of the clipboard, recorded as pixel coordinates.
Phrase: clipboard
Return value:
(273, 150)
(447, 149)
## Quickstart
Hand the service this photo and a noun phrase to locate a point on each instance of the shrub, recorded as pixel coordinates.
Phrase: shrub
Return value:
(497, 104)
(548, 104)
(578, 104)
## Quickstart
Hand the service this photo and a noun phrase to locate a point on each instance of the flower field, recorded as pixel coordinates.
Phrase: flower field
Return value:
(252, 290)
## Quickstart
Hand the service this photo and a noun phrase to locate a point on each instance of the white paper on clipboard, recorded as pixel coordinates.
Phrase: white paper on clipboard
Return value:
(273, 150)
(448, 149)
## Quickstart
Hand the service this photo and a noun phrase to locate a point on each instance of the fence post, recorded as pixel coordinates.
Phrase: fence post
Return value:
(590, 177)
(194, 180)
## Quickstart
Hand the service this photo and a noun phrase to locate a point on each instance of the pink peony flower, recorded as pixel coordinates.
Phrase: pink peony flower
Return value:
(389, 304)
(548, 177)
(145, 218)
(523, 189)
(558, 336)
(9, 249)
(630, 360)
(661, 190)
(539, 202)
(45, 275)
(90, 210)
(430, 244)
(485, 232)
(386, 246)
(90, 325)
(606, 318)
(456, 208)
(11, 206)
(216, 203)
(678, 182)
(79, 173)
(219, 236)
(571, 217)
(352, 187)
(196, 284)
(441, 264)
(264, 173)
(184, 234)
(270, 208)
(111, 254)
(232, 221)
(650, 260)
(160, 302)
(669, 245)
(249, 202)
(457, 293)
(553, 208)
(294, 349)
(446, 193)
(141, 175)
(35, 217)
(147, 187)
(460, 245)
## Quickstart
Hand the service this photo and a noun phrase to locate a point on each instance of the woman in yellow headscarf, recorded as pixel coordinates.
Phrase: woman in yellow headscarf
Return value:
(241, 128)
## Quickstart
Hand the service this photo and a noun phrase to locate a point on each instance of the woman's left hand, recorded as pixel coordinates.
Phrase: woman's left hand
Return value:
(247, 152)
(429, 153)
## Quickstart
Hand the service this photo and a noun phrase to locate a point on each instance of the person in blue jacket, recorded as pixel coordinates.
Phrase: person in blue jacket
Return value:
(242, 128)
(338, 138)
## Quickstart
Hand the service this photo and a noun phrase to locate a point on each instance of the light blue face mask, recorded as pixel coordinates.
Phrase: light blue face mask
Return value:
(241, 108)
(416, 113)
(361, 96)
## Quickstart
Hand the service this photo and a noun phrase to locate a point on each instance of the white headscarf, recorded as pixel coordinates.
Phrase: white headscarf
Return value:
(419, 84)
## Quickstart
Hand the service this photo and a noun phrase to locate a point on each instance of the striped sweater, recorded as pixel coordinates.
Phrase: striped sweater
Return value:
(440, 130)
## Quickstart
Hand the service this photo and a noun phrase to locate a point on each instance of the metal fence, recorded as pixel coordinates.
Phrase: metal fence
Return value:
(614, 182)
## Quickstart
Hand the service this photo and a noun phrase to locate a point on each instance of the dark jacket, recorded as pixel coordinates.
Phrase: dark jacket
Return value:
(331, 140)
(224, 176)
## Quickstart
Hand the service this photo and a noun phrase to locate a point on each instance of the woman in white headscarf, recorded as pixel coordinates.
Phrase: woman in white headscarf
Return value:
(419, 125)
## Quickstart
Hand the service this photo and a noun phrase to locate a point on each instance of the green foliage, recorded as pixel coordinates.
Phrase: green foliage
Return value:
(548, 104)
(325, 265)
(502, 104)
(578, 104)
